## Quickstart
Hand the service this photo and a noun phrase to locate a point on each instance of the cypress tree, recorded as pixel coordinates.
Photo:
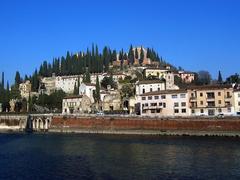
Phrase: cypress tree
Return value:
(141, 56)
(131, 55)
(136, 53)
(3, 85)
(97, 93)
(220, 80)
(17, 79)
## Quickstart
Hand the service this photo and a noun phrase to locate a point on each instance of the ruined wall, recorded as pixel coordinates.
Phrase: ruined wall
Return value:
(117, 123)
(13, 122)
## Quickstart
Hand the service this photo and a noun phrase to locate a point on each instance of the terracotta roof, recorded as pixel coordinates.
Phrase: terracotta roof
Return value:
(164, 92)
(73, 97)
(150, 82)
(210, 87)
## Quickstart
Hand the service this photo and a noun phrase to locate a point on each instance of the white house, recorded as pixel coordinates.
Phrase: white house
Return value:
(87, 89)
(67, 83)
(164, 103)
(149, 86)
(236, 95)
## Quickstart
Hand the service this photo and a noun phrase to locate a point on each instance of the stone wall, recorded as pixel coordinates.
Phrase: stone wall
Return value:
(13, 122)
(118, 123)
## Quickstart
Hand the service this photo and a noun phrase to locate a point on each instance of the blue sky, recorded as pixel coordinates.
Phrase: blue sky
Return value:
(194, 34)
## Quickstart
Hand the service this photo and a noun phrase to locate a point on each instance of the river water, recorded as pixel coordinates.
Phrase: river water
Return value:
(76, 156)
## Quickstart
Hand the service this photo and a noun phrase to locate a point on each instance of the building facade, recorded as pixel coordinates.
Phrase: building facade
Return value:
(211, 100)
(149, 86)
(25, 89)
(76, 105)
(164, 103)
(236, 95)
(186, 77)
(67, 83)
(88, 89)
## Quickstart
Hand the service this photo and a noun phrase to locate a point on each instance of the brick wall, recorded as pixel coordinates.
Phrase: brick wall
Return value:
(102, 123)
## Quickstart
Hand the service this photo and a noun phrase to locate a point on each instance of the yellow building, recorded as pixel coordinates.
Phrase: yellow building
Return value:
(211, 100)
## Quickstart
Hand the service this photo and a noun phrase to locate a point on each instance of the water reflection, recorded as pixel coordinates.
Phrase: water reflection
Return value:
(71, 156)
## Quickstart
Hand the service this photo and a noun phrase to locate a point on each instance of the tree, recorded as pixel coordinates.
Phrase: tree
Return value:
(220, 80)
(87, 77)
(141, 56)
(17, 79)
(131, 55)
(97, 92)
(108, 81)
(204, 78)
(3, 85)
(136, 53)
(76, 89)
(233, 79)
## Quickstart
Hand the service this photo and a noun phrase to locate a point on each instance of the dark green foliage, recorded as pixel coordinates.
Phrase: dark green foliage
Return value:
(97, 92)
(131, 55)
(108, 81)
(53, 101)
(203, 78)
(220, 80)
(136, 53)
(17, 79)
(141, 56)
(233, 79)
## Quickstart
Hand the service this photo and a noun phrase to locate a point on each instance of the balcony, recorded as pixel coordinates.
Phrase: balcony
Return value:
(193, 98)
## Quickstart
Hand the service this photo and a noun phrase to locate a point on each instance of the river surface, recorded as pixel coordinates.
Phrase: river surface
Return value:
(76, 156)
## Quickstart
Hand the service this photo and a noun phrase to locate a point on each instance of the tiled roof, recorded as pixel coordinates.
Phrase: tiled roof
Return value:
(210, 87)
(150, 82)
(164, 92)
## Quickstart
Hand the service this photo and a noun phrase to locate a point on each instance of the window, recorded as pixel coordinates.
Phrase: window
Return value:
(156, 97)
(150, 89)
(219, 102)
(163, 97)
(143, 98)
(176, 111)
(143, 91)
(201, 102)
(144, 111)
(176, 105)
(183, 95)
(193, 111)
(184, 110)
(228, 94)
(152, 111)
(174, 96)
(219, 93)
(239, 103)
(146, 104)
(183, 104)
(164, 105)
(158, 110)
(219, 110)
(160, 104)
(149, 97)
(229, 109)
(201, 94)
(153, 104)
(202, 111)
(159, 89)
